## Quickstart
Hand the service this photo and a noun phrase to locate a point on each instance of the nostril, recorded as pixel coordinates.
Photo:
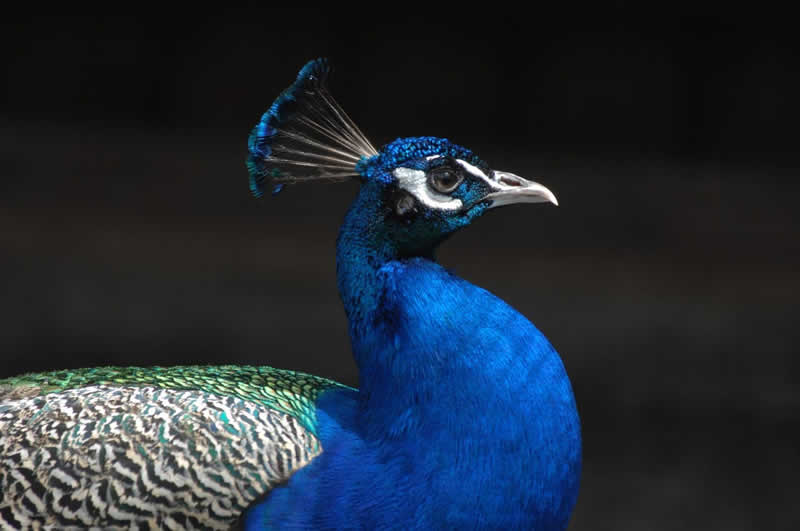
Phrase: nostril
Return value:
(509, 181)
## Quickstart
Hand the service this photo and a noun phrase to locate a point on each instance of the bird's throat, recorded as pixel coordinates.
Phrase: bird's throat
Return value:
(362, 249)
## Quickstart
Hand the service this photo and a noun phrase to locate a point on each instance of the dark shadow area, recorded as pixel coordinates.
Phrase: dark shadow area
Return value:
(667, 279)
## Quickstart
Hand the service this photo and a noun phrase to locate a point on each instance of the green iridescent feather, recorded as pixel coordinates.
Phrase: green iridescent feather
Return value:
(290, 392)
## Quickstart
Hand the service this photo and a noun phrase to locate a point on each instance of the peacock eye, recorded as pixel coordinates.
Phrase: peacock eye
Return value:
(444, 180)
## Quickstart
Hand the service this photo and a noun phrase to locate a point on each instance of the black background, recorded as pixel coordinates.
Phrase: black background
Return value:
(667, 279)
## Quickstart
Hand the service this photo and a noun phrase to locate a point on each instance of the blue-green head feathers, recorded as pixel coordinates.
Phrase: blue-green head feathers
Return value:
(412, 152)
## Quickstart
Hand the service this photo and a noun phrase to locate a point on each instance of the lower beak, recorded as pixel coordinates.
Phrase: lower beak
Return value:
(508, 189)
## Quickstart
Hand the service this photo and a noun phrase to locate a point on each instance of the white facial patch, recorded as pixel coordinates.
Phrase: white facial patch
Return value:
(415, 182)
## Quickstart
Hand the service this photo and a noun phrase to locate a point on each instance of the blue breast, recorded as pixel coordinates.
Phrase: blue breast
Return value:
(464, 415)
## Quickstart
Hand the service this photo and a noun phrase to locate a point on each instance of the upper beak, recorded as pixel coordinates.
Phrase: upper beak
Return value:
(509, 188)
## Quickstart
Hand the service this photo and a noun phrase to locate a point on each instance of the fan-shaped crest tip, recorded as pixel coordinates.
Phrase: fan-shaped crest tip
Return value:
(305, 136)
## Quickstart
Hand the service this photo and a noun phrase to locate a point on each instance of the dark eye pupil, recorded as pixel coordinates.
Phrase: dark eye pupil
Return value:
(447, 178)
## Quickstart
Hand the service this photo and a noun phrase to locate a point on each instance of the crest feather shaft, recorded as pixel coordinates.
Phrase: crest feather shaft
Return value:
(305, 136)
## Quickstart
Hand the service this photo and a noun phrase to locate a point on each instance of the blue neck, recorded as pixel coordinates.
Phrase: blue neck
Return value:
(366, 262)
(360, 254)
(444, 360)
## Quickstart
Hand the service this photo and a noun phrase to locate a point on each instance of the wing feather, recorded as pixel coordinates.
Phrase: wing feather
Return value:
(118, 447)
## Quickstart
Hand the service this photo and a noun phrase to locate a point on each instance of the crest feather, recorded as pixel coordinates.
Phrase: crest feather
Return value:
(305, 136)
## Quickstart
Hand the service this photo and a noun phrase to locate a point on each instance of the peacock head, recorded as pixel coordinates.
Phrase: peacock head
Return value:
(414, 191)
(431, 187)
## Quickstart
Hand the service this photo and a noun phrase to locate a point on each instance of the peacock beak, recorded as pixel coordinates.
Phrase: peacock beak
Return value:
(509, 189)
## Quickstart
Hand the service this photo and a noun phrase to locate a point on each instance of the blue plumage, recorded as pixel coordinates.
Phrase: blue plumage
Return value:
(464, 416)
(412, 151)
(469, 424)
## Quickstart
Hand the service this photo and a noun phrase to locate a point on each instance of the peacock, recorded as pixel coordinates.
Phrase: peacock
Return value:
(464, 416)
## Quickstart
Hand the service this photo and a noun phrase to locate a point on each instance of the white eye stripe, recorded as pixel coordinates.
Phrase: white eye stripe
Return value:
(474, 170)
(415, 182)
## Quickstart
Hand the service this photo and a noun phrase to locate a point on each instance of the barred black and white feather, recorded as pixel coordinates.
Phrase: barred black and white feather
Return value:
(158, 448)
(119, 457)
